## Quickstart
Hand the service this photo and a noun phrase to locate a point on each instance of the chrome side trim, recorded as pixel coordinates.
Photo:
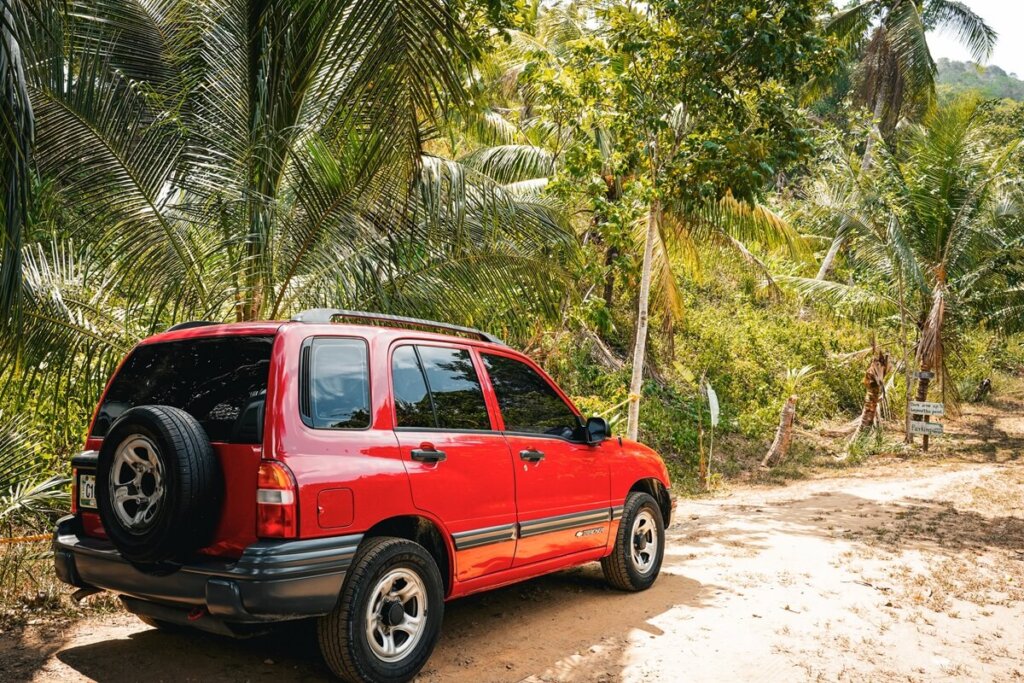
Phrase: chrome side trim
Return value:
(547, 525)
(475, 538)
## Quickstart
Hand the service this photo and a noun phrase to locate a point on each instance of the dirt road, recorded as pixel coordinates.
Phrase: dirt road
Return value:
(898, 571)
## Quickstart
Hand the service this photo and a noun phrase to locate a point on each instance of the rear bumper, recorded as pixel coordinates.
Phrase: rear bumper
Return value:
(271, 581)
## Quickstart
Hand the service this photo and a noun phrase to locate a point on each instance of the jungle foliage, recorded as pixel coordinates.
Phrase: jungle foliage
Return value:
(649, 197)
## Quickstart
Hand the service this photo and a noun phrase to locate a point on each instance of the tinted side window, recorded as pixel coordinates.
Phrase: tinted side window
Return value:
(528, 403)
(338, 385)
(220, 381)
(412, 401)
(454, 388)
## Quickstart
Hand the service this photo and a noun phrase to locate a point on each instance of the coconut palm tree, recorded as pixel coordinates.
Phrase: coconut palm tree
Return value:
(895, 72)
(940, 216)
(240, 159)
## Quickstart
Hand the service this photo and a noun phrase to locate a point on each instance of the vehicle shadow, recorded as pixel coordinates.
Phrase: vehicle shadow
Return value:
(502, 635)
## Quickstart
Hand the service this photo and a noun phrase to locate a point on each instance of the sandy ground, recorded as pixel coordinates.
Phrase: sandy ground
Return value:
(908, 571)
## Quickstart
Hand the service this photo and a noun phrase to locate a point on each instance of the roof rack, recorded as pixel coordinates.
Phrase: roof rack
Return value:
(190, 324)
(326, 315)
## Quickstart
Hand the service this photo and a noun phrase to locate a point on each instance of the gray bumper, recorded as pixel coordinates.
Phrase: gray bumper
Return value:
(271, 581)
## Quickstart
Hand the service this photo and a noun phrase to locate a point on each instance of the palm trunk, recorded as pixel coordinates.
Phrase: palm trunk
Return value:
(783, 435)
(874, 382)
(642, 319)
(830, 258)
(609, 277)
(16, 168)
(922, 395)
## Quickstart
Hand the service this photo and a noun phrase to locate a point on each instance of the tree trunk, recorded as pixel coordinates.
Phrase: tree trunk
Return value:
(922, 395)
(874, 382)
(640, 345)
(609, 276)
(830, 258)
(783, 435)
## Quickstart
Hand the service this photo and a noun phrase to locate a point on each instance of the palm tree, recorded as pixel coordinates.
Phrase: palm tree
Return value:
(894, 75)
(940, 217)
(895, 72)
(239, 159)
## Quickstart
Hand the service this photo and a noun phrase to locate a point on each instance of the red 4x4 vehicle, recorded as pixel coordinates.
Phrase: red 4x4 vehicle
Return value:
(244, 474)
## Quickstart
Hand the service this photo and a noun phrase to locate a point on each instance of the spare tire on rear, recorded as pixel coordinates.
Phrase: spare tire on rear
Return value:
(158, 485)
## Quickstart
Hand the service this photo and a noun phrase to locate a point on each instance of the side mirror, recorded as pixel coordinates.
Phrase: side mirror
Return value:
(598, 430)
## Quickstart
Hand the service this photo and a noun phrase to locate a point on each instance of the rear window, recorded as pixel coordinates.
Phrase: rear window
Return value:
(221, 381)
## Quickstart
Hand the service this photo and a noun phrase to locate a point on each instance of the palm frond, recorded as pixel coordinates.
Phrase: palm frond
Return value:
(969, 28)
(840, 299)
(506, 164)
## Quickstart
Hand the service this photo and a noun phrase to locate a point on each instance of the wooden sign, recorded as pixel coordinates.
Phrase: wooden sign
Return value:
(925, 428)
(926, 408)
(924, 375)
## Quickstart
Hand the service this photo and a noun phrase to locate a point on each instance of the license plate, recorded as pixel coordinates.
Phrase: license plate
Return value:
(87, 491)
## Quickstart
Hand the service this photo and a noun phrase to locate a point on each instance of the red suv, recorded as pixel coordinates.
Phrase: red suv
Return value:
(244, 474)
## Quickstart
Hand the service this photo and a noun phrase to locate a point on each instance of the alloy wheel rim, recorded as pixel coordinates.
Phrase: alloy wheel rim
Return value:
(396, 615)
(644, 548)
(137, 488)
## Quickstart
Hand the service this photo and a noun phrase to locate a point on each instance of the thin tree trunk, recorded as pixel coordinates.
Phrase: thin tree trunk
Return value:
(830, 258)
(922, 395)
(874, 383)
(783, 435)
(642, 319)
(908, 438)
(609, 276)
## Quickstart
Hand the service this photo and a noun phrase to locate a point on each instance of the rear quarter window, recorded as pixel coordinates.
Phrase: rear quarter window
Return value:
(220, 381)
(335, 390)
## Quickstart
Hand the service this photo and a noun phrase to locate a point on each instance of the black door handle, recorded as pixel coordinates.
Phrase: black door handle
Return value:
(531, 455)
(428, 455)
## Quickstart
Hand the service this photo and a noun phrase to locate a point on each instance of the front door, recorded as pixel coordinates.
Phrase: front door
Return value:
(459, 467)
(562, 483)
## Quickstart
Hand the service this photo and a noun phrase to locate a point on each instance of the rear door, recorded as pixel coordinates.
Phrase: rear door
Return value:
(459, 465)
(562, 483)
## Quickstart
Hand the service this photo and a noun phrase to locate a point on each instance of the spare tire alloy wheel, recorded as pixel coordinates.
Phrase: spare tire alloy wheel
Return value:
(136, 485)
(158, 486)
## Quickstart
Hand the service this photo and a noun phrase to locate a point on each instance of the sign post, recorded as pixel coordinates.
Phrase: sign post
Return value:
(925, 410)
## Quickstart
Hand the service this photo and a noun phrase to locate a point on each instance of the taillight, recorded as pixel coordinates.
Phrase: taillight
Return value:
(276, 507)
(74, 491)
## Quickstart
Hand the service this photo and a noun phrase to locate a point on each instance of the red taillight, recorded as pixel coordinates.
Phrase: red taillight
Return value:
(276, 506)
(74, 491)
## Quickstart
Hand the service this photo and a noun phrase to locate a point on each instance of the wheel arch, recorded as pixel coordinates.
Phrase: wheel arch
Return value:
(656, 490)
(427, 533)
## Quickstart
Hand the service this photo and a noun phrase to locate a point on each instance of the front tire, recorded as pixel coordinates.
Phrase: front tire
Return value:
(635, 562)
(388, 618)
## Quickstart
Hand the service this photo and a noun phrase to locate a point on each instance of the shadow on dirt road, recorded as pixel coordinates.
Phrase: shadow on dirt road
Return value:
(503, 635)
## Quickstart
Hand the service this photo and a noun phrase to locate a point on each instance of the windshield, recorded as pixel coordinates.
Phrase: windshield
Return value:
(220, 381)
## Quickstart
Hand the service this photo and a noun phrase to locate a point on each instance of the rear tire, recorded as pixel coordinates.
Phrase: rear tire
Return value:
(635, 562)
(370, 635)
(158, 486)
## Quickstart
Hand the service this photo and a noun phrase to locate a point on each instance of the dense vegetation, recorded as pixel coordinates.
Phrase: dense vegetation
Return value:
(765, 197)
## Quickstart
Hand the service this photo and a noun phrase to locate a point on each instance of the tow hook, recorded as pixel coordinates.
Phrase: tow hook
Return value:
(197, 613)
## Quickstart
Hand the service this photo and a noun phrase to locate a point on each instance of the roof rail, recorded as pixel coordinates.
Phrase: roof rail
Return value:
(326, 315)
(190, 324)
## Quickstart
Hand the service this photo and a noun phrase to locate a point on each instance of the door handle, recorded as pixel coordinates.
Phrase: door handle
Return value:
(428, 455)
(531, 455)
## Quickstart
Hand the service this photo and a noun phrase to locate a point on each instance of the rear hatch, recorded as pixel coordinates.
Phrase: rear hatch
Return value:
(222, 382)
